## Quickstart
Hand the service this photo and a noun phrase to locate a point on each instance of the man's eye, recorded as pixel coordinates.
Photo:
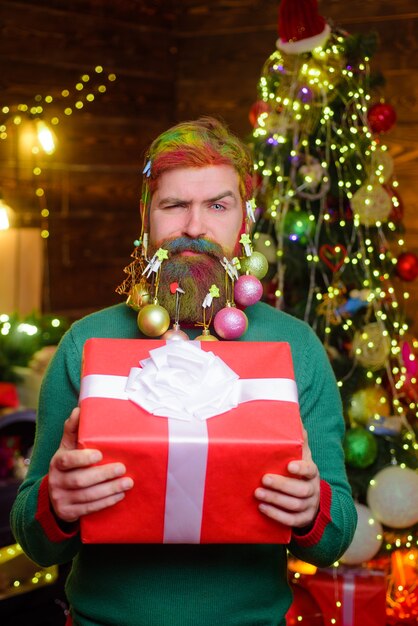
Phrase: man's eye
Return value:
(173, 206)
(218, 207)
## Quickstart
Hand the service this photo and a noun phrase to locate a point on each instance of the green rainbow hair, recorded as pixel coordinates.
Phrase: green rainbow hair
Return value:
(199, 143)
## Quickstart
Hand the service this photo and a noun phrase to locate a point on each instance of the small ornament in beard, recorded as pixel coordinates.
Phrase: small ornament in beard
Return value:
(195, 274)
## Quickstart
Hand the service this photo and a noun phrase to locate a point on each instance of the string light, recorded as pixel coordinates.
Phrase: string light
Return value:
(44, 139)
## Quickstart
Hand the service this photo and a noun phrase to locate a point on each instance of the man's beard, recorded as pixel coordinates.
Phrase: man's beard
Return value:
(194, 274)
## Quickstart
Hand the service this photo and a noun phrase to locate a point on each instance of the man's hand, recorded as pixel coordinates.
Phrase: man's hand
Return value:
(292, 501)
(76, 487)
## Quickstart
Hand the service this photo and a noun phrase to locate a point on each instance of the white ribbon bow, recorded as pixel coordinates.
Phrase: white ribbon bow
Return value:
(183, 382)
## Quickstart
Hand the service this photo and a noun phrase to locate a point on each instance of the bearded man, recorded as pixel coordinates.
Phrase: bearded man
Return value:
(197, 184)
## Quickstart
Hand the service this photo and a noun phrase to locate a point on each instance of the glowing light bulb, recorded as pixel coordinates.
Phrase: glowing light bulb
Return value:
(45, 137)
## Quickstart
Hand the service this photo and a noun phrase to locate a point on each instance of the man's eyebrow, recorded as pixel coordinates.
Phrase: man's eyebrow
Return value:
(224, 194)
(172, 200)
(175, 200)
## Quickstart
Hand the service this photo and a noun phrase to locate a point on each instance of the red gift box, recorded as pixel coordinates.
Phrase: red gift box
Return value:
(349, 596)
(194, 481)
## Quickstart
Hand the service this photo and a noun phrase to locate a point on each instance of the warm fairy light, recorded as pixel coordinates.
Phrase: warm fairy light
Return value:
(45, 136)
(5, 215)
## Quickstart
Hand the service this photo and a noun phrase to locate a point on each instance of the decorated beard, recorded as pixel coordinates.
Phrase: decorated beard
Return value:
(195, 265)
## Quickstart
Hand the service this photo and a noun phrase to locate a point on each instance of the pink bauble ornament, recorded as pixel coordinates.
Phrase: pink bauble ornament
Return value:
(230, 323)
(247, 290)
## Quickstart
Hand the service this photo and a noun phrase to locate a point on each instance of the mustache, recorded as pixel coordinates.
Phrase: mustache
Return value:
(199, 246)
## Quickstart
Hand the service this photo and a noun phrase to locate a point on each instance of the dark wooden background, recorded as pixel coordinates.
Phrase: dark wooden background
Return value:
(173, 61)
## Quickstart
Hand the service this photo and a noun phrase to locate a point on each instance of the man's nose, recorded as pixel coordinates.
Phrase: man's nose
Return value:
(194, 225)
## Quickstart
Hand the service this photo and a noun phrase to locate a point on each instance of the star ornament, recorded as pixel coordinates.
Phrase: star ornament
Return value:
(161, 254)
(245, 239)
(214, 291)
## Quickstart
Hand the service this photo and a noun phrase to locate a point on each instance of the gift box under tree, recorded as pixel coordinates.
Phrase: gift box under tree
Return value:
(346, 596)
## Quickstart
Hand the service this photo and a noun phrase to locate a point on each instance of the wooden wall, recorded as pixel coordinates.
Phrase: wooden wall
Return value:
(173, 61)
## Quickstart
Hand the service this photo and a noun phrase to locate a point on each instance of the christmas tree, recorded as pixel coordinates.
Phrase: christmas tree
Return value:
(330, 222)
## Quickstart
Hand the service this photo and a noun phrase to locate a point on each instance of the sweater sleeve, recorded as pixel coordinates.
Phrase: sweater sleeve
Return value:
(32, 525)
(321, 412)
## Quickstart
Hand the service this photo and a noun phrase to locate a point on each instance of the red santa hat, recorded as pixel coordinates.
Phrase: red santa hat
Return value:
(301, 28)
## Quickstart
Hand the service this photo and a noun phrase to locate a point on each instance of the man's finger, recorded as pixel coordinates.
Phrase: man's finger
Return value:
(70, 434)
(69, 459)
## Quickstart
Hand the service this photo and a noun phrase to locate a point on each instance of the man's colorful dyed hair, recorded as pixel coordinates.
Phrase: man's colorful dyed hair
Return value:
(198, 143)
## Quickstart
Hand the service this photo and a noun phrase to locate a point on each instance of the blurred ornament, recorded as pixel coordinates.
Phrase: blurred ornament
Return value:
(371, 346)
(298, 226)
(247, 290)
(366, 403)
(360, 447)
(396, 214)
(153, 320)
(407, 266)
(409, 357)
(230, 323)
(382, 166)
(312, 174)
(367, 538)
(305, 94)
(409, 353)
(381, 117)
(392, 496)
(312, 179)
(385, 426)
(333, 256)
(337, 209)
(371, 204)
(322, 77)
(255, 264)
(258, 108)
(358, 299)
(265, 244)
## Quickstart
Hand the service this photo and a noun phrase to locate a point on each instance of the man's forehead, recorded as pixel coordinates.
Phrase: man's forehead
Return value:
(216, 177)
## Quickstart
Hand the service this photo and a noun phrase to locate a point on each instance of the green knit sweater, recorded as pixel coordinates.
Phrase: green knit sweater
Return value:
(186, 585)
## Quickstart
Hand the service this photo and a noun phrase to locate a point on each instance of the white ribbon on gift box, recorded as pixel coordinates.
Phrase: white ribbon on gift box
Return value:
(187, 385)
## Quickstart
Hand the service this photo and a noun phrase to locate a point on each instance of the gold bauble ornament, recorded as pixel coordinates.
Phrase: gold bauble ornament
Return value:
(153, 320)
(371, 203)
(256, 265)
(371, 348)
(206, 336)
(382, 166)
(368, 403)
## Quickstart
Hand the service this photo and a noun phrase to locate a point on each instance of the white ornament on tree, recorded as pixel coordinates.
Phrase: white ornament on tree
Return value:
(393, 496)
(367, 538)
